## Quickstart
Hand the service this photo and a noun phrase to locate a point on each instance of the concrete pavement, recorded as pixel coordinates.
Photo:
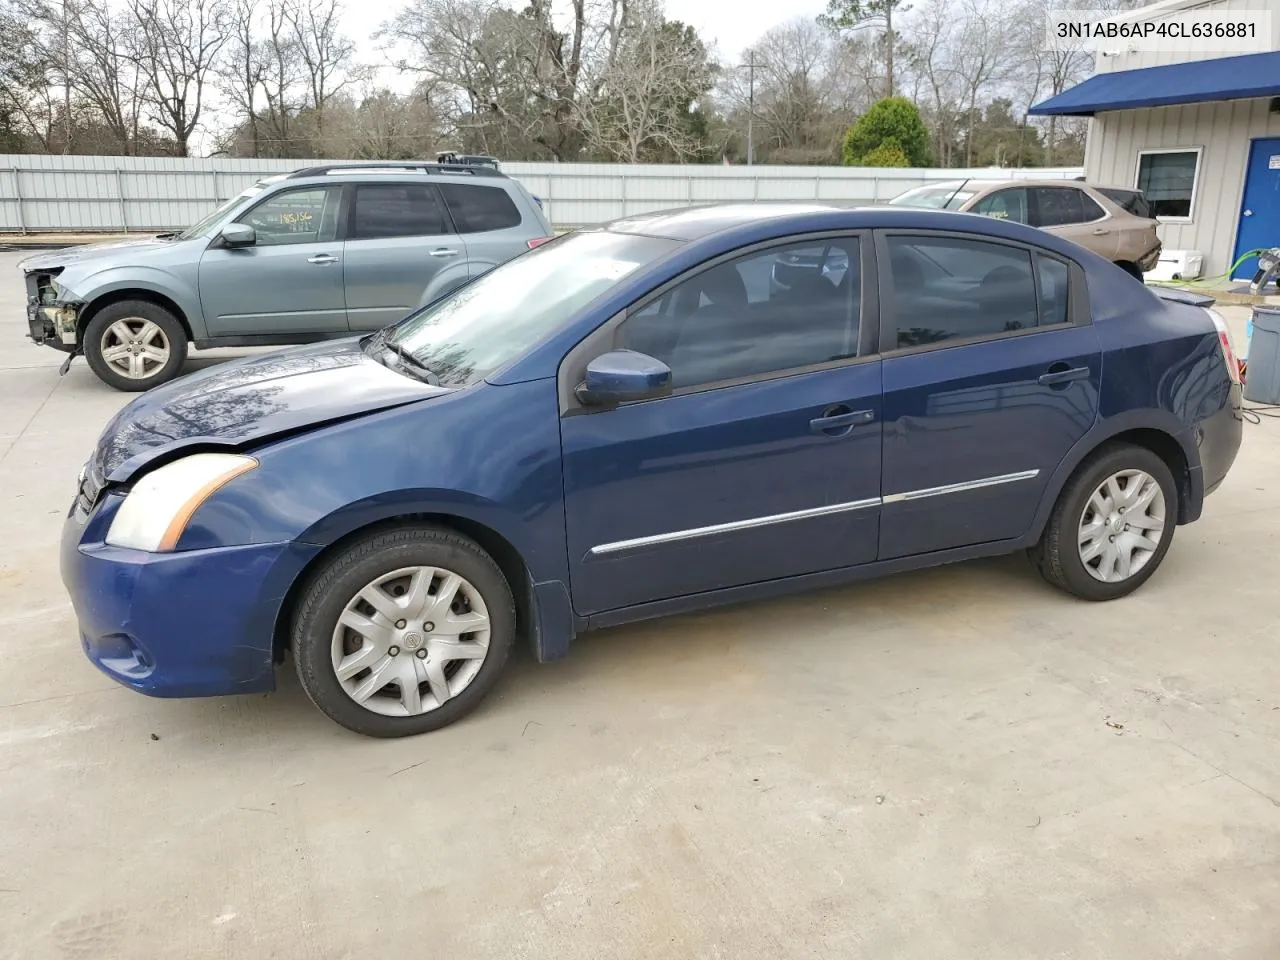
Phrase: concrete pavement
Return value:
(961, 763)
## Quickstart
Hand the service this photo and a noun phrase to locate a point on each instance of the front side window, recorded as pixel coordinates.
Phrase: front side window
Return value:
(774, 310)
(1008, 204)
(305, 215)
(945, 288)
(383, 210)
(484, 325)
(477, 209)
(1168, 181)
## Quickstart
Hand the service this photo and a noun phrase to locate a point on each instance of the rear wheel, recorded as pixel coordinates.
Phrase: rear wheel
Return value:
(403, 632)
(1112, 524)
(134, 345)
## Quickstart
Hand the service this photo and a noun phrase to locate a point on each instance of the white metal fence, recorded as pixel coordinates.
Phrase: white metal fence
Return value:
(61, 194)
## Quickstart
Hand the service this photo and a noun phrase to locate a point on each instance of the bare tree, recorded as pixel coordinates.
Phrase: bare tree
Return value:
(324, 52)
(175, 44)
(243, 67)
(982, 58)
(640, 102)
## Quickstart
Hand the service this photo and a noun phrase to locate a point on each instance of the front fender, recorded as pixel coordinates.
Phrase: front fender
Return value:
(93, 287)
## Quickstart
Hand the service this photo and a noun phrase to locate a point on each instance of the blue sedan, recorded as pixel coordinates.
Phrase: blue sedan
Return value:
(664, 414)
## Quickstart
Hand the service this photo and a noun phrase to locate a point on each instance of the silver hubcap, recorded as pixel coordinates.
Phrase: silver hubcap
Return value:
(135, 348)
(410, 640)
(1121, 526)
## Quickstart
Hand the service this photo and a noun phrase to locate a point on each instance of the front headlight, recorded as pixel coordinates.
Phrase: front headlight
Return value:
(157, 509)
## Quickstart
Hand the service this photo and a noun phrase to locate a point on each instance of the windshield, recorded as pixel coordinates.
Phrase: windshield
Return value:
(205, 223)
(484, 325)
(935, 196)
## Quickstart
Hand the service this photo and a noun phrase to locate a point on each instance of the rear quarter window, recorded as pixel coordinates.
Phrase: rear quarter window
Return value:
(478, 209)
(1131, 200)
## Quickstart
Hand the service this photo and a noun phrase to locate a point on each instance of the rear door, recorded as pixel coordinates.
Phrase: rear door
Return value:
(399, 245)
(290, 281)
(991, 374)
(1073, 214)
(489, 222)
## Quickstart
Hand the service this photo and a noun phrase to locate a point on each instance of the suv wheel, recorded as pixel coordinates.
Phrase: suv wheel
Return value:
(1131, 269)
(134, 345)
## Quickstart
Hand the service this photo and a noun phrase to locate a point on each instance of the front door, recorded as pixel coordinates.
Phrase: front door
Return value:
(1260, 211)
(290, 281)
(991, 375)
(763, 463)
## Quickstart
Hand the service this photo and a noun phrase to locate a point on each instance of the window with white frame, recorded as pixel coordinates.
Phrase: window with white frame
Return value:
(1168, 180)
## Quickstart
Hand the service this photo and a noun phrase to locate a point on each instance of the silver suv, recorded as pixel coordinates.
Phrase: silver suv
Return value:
(319, 253)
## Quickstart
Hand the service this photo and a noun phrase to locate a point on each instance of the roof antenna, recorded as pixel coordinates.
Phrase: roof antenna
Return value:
(955, 191)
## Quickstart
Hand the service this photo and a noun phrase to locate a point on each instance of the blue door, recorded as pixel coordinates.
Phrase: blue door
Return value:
(1260, 210)
(991, 374)
(763, 463)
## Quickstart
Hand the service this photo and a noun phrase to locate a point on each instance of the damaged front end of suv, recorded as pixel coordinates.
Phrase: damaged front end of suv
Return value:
(53, 311)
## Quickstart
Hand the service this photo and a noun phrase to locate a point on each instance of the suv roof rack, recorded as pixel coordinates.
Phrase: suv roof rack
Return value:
(396, 166)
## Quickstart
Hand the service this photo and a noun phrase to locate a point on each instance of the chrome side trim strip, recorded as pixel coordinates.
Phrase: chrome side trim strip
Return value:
(695, 532)
(961, 487)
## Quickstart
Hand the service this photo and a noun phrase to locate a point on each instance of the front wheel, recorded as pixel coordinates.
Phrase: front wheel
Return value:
(1111, 526)
(403, 632)
(134, 345)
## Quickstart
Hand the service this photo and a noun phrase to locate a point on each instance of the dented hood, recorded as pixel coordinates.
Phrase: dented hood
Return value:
(237, 404)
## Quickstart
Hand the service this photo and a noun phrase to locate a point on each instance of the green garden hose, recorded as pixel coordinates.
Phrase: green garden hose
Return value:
(1214, 279)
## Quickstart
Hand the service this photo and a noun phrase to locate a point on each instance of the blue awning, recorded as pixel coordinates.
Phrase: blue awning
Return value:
(1201, 81)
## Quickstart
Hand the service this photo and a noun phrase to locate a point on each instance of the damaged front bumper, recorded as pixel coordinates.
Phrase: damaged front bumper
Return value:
(51, 320)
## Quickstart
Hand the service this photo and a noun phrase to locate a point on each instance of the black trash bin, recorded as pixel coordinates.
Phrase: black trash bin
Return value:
(1262, 381)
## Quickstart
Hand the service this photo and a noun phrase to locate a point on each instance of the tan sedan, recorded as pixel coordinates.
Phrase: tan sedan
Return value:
(1113, 222)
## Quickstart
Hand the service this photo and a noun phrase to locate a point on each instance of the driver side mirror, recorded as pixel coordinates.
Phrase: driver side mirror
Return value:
(621, 376)
(238, 235)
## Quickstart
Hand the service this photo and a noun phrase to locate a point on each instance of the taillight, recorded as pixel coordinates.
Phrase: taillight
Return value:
(538, 241)
(1228, 349)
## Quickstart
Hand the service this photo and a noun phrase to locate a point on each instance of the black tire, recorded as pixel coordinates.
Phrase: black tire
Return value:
(345, 574)
(1057, 555)
(1131, 269)
(100, 328)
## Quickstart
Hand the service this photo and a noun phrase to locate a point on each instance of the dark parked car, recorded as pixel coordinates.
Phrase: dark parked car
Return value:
(664, 414)
(316, 254)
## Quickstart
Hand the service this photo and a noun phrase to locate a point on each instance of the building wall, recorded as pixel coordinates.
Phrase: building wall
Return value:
(1113, 56)
(1221, 130)
(112, 194)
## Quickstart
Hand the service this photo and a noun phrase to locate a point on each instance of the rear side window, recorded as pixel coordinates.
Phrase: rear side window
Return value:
(1130, 200)
(385, 210)
(477, 209)
(1060, 206)
(946, 288)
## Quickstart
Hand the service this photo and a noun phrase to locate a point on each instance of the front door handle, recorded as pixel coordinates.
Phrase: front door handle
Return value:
(1062, 375)
(444, 252)
(322, 258)
(839, 420)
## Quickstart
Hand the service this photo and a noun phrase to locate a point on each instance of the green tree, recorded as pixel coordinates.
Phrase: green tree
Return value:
(888, 154)
(892, 120)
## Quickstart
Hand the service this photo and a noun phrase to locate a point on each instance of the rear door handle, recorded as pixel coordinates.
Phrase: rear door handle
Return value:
(322, 258)
(1061, 374)
(838, 420)
(1100, 232)
(444, 252)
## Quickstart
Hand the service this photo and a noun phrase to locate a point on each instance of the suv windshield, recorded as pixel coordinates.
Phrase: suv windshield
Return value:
(935, 196)
(205, 223)
(470, 333)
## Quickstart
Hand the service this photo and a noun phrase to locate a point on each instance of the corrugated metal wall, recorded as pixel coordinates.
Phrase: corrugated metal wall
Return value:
(1222, 131)
(83, 194)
